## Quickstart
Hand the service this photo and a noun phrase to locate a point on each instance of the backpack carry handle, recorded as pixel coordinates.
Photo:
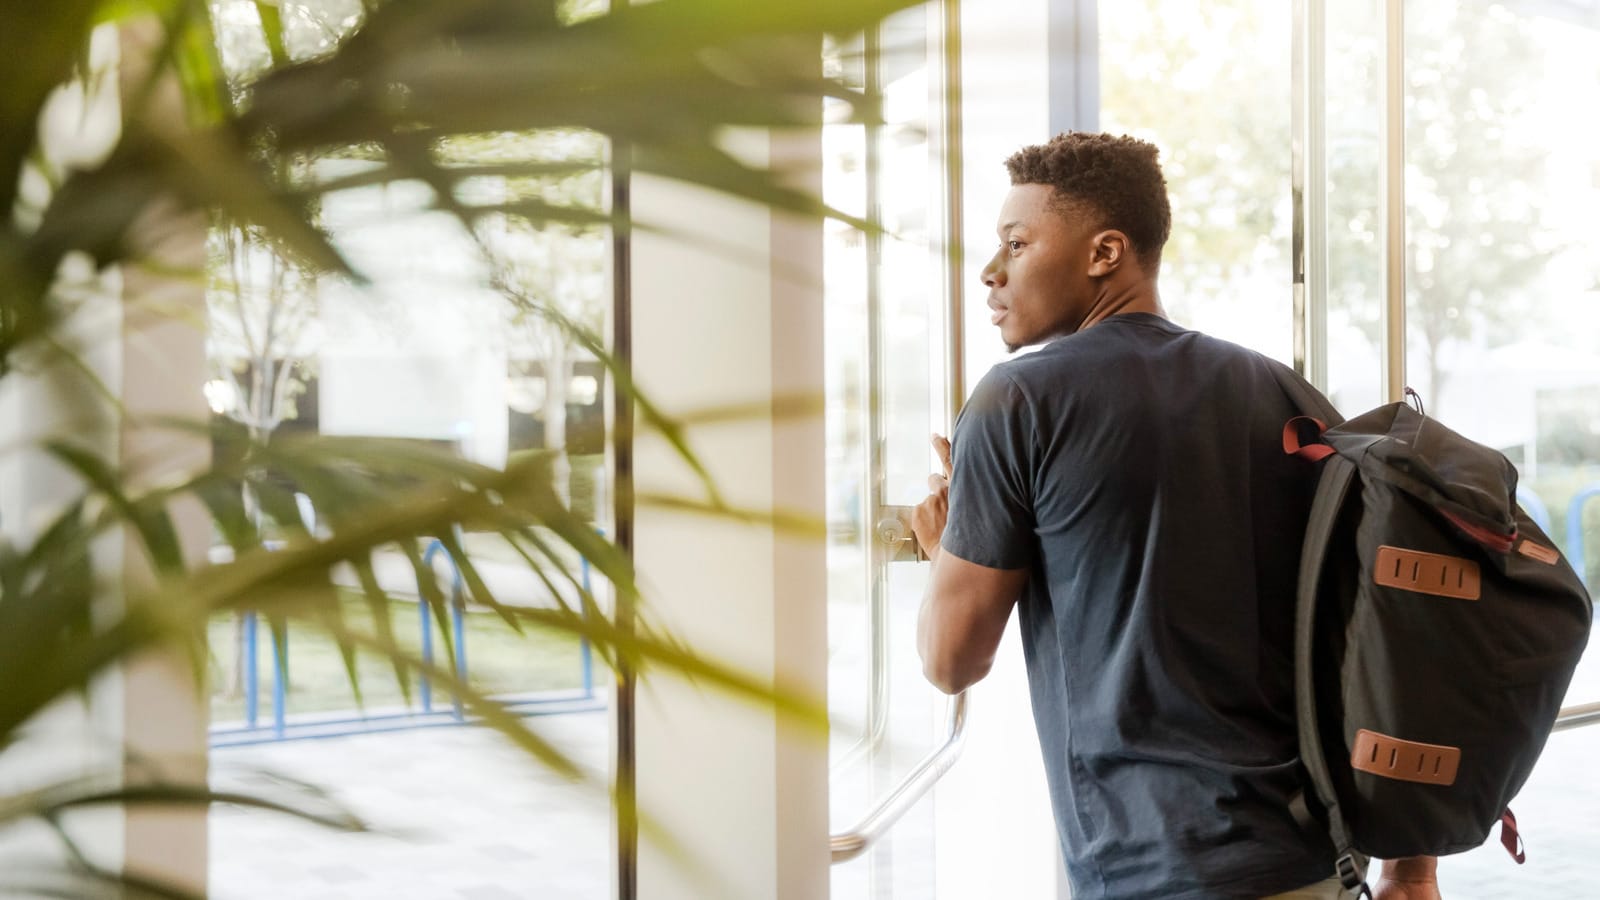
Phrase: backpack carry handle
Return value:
(1296, 445)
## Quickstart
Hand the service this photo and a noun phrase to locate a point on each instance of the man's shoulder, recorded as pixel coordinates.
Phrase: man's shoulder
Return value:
(1125, 339)
(1062, 355)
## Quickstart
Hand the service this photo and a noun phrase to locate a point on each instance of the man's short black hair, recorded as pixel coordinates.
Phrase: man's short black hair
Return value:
(1115, 179)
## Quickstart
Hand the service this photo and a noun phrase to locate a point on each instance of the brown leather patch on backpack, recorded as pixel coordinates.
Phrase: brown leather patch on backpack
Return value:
(1539, 552)
(1427, 573)
(1392, 757)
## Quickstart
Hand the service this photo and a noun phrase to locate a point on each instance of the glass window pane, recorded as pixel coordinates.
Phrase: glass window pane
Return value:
(430, 351)
(1503, 250)
(1354, 206)
(1208, 83)
(846, 360)
(884, 396)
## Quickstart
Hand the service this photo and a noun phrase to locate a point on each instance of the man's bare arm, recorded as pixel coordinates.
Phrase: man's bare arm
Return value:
(965, 610)
(1416, 878)
(963, 617)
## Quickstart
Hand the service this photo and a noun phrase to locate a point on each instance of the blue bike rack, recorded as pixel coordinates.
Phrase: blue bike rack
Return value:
(280, 682)
(251, 702)
(335, 725)
(583, 640)
(457, 627)
(252, 689)
(1575, 531)
(1535, 508)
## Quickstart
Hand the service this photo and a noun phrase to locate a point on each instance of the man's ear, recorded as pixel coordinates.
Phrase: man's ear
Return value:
(1108, 252)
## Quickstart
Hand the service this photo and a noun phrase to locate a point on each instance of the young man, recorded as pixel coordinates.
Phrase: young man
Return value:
(1125, 486)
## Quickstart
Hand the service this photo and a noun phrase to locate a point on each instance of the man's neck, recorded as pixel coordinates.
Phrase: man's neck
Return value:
(1134, 296)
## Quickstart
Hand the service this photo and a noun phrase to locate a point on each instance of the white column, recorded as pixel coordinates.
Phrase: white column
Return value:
(162, 709)
(742, 792)
(140, 336)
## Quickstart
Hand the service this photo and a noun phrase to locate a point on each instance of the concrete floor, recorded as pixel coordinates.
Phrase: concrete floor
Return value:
(465, 815)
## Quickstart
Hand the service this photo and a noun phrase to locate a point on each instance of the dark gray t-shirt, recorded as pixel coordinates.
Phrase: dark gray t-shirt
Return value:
(1136, 469)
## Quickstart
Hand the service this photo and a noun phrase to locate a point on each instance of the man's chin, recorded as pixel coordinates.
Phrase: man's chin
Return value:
(1013, 341)
(1010, 339)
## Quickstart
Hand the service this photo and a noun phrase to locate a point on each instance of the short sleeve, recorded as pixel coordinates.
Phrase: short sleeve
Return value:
(991, 495)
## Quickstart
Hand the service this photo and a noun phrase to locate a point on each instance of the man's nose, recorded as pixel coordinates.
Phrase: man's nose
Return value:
(993, 275)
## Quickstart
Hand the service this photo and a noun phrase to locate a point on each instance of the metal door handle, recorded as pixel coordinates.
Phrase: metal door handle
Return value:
(1577, 716)
(893, 530)
(848, 845)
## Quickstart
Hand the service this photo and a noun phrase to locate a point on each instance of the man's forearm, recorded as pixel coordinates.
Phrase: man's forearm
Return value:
(1415, 869)
(923, 625)
(935, 666)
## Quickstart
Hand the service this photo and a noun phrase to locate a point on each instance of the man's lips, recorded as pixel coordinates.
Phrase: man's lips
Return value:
(996, 314)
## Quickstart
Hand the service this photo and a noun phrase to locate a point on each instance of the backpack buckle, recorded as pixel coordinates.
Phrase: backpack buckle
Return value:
(1351, 876)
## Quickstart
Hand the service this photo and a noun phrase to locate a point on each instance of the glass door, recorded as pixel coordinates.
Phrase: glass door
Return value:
(886, 352)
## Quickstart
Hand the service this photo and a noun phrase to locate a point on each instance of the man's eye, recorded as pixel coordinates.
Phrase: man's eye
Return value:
(1013, 246)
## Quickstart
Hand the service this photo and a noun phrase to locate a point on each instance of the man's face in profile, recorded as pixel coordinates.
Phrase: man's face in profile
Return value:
(1039, 286)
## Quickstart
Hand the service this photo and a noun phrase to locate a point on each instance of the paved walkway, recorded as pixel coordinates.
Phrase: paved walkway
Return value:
(467, 817)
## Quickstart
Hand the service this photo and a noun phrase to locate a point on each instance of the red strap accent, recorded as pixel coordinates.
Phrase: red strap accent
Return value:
(1293, 446)
(1500, 543)
(1510, 839)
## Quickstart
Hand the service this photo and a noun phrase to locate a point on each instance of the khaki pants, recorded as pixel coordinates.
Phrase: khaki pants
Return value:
(1322, 890)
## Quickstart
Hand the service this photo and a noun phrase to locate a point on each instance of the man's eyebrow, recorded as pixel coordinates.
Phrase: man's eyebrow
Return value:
(1008, 226)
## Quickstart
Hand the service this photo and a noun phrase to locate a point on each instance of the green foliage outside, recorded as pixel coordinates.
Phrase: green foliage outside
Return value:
(1481, 242)
(1478, 236)
(1222, 123)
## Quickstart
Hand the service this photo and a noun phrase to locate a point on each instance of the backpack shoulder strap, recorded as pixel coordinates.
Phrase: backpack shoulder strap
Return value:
(1333, 487)
(1306, 398)
(1332, 490)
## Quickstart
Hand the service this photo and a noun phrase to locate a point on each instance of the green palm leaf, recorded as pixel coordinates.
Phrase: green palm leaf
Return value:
(413, 84)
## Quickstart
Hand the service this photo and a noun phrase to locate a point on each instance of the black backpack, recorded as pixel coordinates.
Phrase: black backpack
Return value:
(1436, 631)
